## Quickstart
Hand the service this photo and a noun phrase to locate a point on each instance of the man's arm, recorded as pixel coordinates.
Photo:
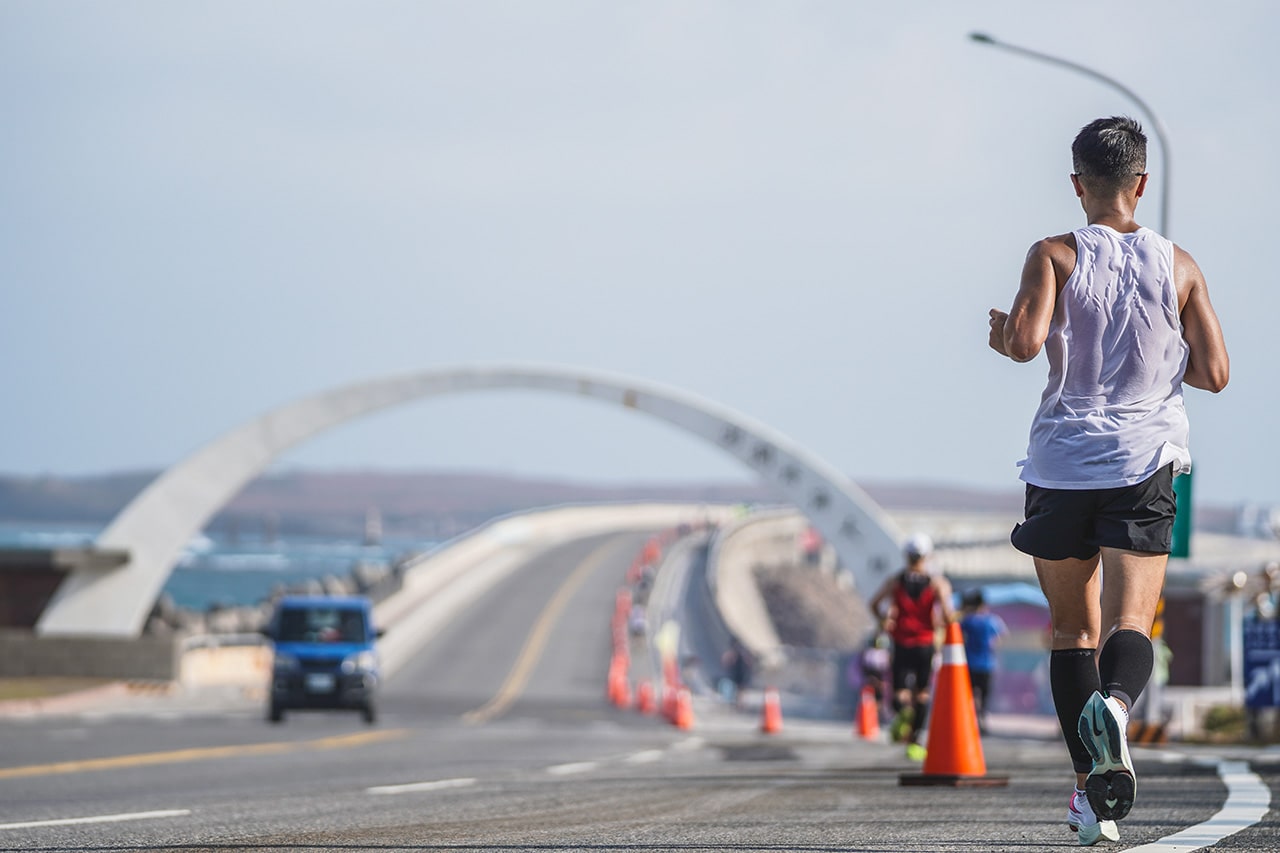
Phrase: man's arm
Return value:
(1021, 332)
(1208, 366)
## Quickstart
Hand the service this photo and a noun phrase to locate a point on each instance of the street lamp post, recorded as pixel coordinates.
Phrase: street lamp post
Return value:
(1156, 124)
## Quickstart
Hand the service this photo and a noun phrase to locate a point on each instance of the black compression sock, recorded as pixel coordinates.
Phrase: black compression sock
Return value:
(1125, 664)
(919, 711)
(1074, 678)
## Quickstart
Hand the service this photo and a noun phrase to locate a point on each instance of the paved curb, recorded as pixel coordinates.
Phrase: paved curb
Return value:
(63, 703)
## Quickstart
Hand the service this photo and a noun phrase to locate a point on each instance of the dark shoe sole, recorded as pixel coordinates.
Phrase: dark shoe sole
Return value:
(1110, 794)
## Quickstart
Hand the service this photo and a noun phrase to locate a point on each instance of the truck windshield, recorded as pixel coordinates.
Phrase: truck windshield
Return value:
(321, 625)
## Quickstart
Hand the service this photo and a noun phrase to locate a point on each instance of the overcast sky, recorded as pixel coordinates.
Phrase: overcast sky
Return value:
(801, 211)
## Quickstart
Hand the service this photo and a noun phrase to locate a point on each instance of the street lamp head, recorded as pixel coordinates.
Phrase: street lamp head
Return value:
(984, 38)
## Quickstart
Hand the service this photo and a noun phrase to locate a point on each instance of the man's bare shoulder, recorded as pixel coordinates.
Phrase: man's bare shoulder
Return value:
(1183, 262)
(1186, 274)
(1056, 247)
(1057, 253)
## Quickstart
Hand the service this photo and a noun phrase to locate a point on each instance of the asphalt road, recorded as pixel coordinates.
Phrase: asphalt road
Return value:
(496, 737)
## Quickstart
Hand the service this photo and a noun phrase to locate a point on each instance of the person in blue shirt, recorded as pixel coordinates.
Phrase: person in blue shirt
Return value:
(982, 631)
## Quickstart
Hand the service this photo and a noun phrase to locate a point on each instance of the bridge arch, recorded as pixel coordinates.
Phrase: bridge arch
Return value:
(155, 527)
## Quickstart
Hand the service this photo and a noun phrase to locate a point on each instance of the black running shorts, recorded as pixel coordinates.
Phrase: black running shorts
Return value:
(911, 667)
(1066, 523)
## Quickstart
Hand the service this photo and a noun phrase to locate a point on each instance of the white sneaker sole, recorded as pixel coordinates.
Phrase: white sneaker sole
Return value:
(1088, 836)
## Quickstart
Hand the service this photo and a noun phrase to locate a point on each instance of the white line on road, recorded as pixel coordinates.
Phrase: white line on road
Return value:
(573, 767)
(644, 756)
(1248, 799)
(410, 787)
(688, 744)
(106, 818)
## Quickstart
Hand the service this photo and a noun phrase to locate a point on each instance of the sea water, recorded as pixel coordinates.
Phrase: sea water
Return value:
(219, 571)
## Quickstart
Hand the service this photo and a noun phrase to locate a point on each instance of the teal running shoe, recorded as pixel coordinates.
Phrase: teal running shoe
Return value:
(1111, 785)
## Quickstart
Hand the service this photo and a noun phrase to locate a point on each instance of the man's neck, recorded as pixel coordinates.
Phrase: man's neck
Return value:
(1114, 213)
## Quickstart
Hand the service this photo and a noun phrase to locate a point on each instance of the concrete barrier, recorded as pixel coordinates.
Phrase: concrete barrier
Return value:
(216, 666)
(23, 654)
(771, 538)
(763, 538)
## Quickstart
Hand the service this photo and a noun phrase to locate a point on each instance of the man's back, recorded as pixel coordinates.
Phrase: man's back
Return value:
(981, 629)
(914, 599)
(1112, 410)
(1123, 307)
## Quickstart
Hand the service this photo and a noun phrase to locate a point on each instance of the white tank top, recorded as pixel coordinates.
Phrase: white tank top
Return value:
(1112, 412)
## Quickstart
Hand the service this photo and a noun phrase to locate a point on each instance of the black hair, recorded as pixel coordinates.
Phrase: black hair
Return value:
(1108, 154)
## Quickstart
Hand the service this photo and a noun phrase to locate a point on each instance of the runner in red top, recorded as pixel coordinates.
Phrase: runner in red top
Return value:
(919, 604)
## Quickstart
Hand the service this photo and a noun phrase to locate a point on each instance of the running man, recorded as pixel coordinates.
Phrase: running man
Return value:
(983, 630)
(1125, 319)
(919, 604)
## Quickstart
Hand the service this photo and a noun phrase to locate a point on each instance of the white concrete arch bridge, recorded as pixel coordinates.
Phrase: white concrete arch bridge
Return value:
(151, 532)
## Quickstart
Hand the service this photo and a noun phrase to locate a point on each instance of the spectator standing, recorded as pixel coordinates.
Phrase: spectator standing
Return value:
(736, 663)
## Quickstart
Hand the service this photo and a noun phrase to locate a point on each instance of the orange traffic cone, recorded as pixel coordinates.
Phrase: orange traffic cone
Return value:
(869, 715)
(645, 703)
(954, 755)
(619, 690)
(771, 719)
(684, 709)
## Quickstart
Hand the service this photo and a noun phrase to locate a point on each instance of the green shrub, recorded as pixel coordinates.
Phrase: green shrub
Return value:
(1225, 720)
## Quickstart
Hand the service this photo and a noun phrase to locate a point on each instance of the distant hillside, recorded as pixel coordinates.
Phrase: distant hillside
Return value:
(71, 499)
(419, 503)
(443, 503)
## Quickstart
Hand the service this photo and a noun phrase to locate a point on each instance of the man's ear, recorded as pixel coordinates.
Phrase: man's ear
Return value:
(1075, 182)
(1142, 185)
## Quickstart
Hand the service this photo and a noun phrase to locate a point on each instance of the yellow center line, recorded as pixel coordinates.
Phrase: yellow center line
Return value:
(199, 754)
(537, 641)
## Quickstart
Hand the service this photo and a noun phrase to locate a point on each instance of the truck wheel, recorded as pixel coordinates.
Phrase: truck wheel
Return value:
(275, 713)
(369, 713)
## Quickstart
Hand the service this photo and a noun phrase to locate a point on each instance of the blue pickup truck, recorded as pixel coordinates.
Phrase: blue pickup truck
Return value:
(325, 655)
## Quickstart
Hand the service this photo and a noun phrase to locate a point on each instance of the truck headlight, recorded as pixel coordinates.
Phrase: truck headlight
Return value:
(364, 661)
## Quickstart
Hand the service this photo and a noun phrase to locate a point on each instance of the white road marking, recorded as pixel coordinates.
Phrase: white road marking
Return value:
(644, 756)
(410, 787)
(688, 744)
(106, 818)
(574, 767)
(1248, 799)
